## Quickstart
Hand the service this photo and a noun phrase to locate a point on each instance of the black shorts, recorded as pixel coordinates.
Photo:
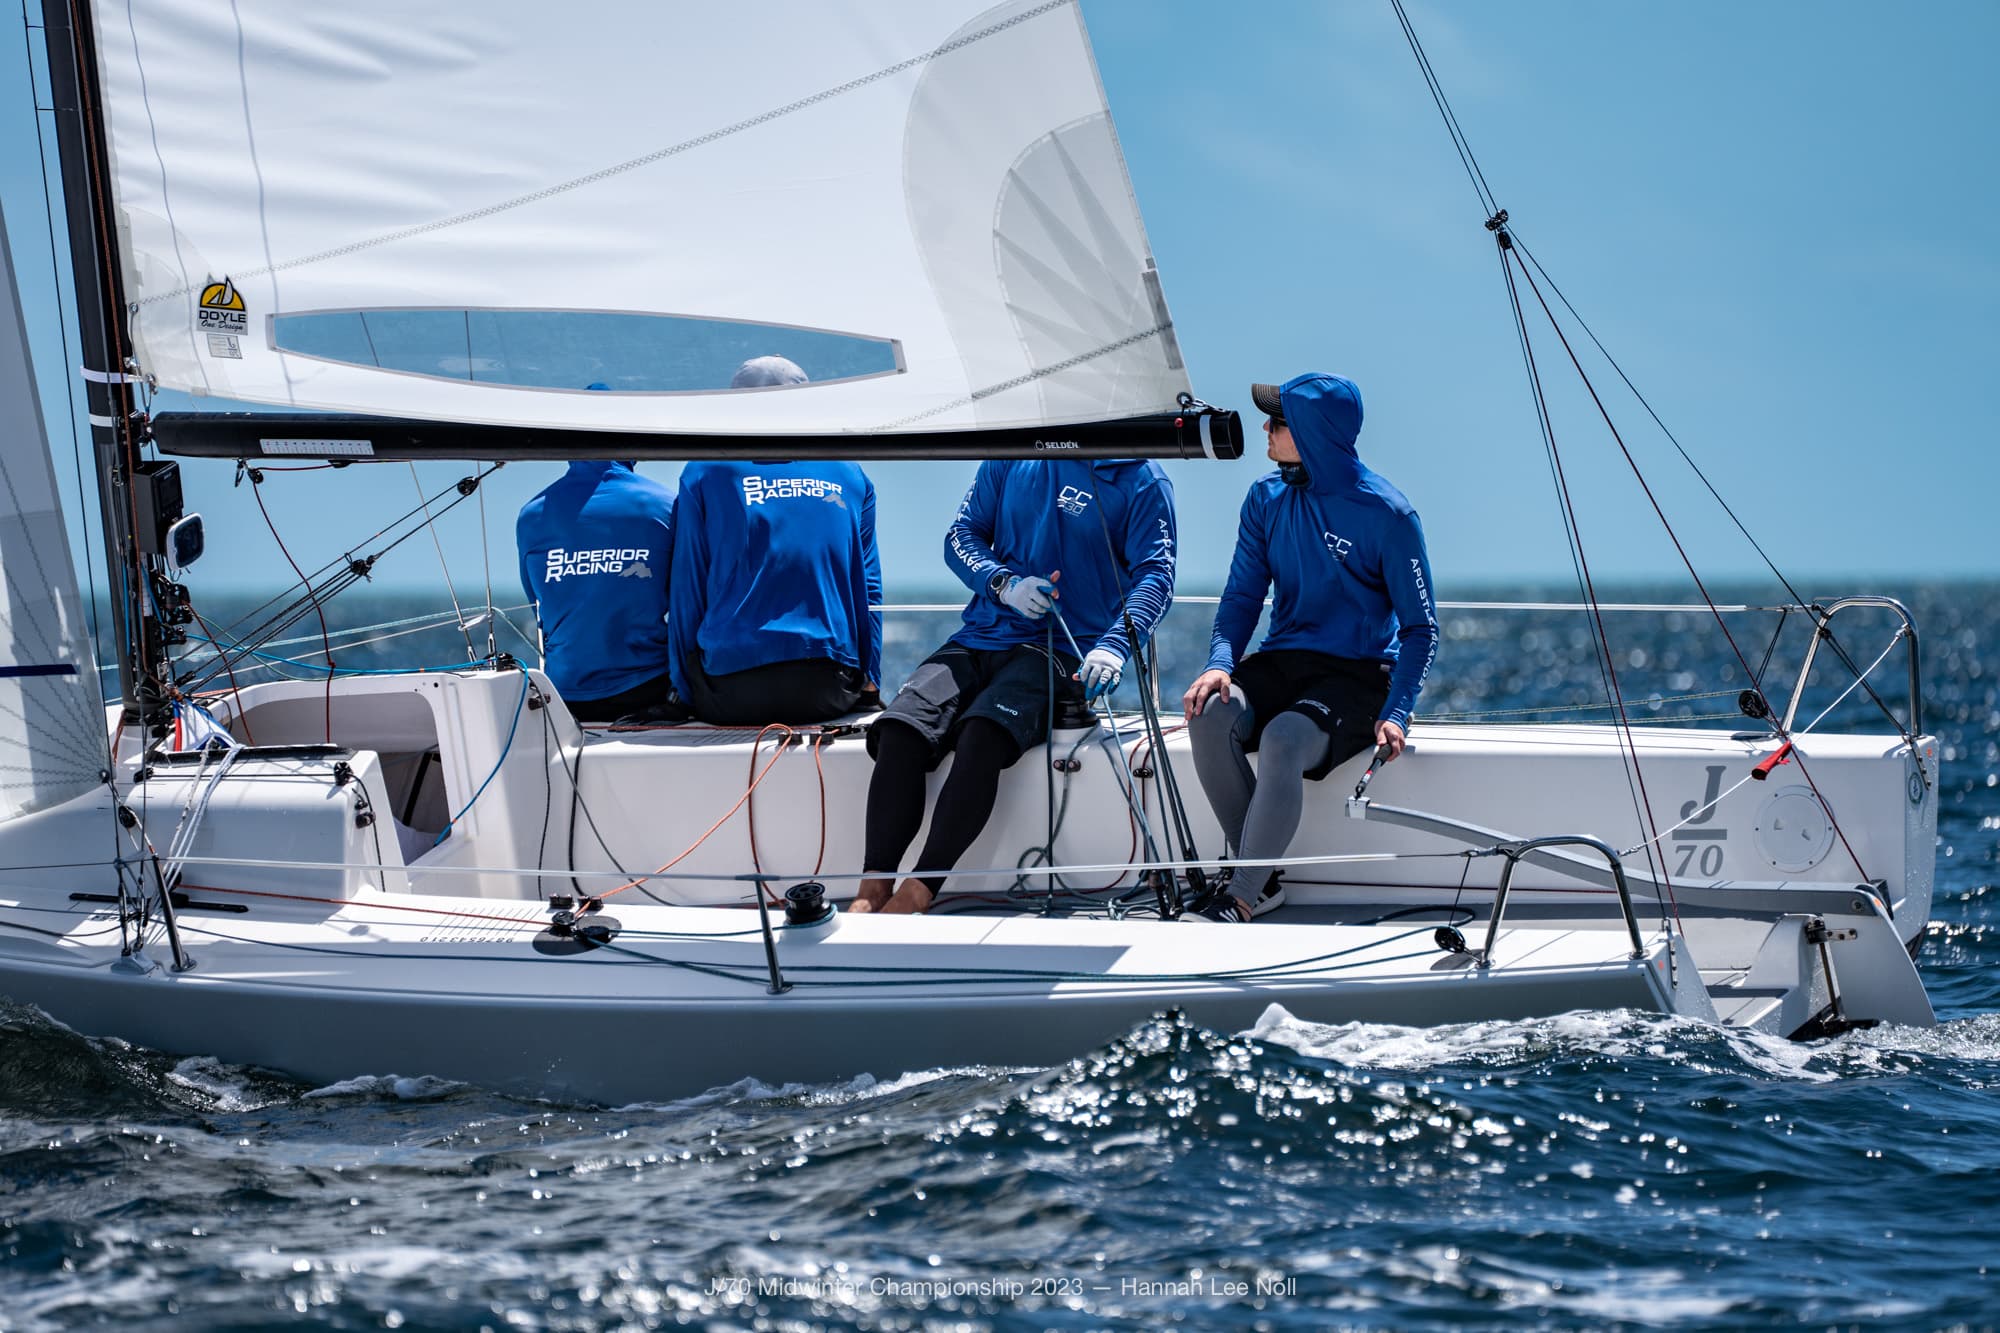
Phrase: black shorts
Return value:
(811, 689)
(652, 694)
(1342, 695)
(1008, 686)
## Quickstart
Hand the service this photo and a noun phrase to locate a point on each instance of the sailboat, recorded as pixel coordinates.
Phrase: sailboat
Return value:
(444, 872)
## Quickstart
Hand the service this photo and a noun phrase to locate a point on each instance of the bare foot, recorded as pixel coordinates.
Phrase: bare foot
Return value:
(914, 896)
(872, 895)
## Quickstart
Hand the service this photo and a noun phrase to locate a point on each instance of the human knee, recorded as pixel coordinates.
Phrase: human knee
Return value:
(1294, 742)
(985, 742)
(1221, 714)
(898, 745)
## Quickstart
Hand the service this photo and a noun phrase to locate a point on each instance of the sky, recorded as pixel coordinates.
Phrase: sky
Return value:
(1778, 217)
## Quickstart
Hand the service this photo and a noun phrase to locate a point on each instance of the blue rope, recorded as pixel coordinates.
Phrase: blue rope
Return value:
(519, 704)
(321, 666)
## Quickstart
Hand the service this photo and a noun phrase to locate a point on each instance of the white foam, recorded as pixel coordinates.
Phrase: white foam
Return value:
(861, 1087)
(1632, 1035)
(227, 1087)
(421, 1088)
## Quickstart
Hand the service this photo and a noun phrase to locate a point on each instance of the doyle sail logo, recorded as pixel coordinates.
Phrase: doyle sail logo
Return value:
(221, 309)
(627, 562)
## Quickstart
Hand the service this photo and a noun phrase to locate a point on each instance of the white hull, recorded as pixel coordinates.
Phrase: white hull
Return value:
(347, 959)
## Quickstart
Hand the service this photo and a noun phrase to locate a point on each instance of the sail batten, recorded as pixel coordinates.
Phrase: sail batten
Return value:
(938, 176)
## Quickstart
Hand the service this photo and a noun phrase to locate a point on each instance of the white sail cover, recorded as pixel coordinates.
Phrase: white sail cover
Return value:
(52, 725)
(935, 182)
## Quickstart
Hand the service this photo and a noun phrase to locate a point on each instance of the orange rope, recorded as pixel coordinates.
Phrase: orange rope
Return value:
(726, 816)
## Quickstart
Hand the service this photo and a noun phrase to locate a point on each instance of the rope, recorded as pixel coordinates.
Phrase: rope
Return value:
(257, 493)
(1681, 550)
(443, 568)
(1894, 639)
(741, 801)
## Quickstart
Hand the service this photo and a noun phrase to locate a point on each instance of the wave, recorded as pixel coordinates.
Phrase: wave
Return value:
(1964, 1044)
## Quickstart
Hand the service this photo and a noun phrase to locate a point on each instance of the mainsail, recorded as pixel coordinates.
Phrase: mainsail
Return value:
(53, 733)
(475, 214)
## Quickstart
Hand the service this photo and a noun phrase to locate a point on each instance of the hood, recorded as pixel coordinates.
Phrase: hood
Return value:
(592, 470)
(1324, 412)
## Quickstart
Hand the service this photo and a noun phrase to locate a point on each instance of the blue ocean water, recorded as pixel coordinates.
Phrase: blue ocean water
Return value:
(1582, 1171)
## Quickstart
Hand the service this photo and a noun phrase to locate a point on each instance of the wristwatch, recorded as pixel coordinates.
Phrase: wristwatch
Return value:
(996, 583)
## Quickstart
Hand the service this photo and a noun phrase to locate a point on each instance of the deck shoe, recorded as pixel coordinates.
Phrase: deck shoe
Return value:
(912, 896)
(872, 895)
(1217, 886)
(1223, 907)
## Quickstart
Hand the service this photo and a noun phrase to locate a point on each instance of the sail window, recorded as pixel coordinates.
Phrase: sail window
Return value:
(579, 350)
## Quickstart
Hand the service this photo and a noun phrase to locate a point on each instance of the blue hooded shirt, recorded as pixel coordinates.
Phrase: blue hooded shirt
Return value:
(595, 549)
(1345, 550)
(1030, 516)
(775, 562)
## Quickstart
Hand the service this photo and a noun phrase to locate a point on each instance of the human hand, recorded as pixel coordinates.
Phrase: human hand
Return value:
(1029, 596)
(1389, 734)
(1206, 686)
(1100, 673)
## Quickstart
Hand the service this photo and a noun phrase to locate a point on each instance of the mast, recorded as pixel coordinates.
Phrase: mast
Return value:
(102, 335)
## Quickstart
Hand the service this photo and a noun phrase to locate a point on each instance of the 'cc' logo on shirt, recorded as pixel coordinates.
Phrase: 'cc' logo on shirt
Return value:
(1338, 546)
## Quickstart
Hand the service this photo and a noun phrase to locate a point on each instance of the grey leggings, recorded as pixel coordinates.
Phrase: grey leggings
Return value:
(1259, 815)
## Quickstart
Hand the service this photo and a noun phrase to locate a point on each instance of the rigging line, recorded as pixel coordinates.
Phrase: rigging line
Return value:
(1861, 679)
(576, 803)
(699, 877)
(1777, 632)
(506, 748)
(1893, 641)
(1674, 537)
(750, 805)
(421, 507)
(1458, 139)
(727, 815)
(1571, 534)
(819, 744)
(1692, 816)
(1671, 438)
(450, 591)
(327, 641)
(486, 560)
(1635, 776)
(257, 493)
(1790, 589)
(344, 579)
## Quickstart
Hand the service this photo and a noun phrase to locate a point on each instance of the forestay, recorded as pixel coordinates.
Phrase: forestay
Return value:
(475, 212)
(52, 729)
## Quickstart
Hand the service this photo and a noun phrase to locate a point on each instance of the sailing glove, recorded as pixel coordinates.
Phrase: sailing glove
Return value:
(1031, 596)
(1100, 673)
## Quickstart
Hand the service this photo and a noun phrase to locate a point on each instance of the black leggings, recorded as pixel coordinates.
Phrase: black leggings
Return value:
(896, 795)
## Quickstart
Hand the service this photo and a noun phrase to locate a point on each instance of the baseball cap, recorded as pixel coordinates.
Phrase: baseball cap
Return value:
(1265, 396)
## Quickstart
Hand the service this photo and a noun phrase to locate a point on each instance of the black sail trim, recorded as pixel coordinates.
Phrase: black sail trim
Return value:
(350, 437)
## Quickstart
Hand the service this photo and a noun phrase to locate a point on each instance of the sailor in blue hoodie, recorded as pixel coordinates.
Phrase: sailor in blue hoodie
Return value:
(1097, 539)
(775, 579)
(595, 548)
(1353, 632)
